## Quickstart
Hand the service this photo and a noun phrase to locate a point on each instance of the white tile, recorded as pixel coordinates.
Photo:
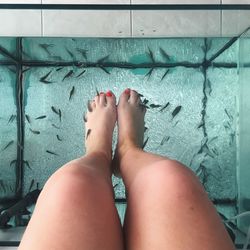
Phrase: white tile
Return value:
(88, 23)
(176, 1)
(235, 1)
(8, 248)
(187, 23)
(86, 1)
(21, 1)
(235, 21)
(20, 22)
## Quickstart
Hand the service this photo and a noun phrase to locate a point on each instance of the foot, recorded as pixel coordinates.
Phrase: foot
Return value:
(131, 114)
(99, 124)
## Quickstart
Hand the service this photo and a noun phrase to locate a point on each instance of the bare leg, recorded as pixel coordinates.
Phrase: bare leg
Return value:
(167, 206)
(76, 208)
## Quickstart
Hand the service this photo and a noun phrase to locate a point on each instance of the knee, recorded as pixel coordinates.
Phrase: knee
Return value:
(170, 179)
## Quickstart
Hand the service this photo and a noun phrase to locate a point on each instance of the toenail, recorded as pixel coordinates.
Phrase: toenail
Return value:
(101, 93)
(127, 91)
(109, 93)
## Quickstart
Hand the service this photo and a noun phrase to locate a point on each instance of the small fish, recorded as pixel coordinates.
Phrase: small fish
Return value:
(83, 52)
(36, 132)
(70, 53)
(12, 118)
(151, 55)
(40, 117)
(58, 138)
(28, 165)
(104, 69)
(31, 184)
(145, 143)
(209, 87)
(229, 116)
(200, 125)
(46, 47)
(84, 118)
(164, 139)
(28, 118)
(58, 69)
(8, 145)
(43, 78)
(149, 73)
(154, 106)
(51, 152)
(53, 125)
(12, 162)
(55, 110)
(68, 74)
(164, 107)
(165, 74)
(115, 185)
(81, 73)
(97, 92)
(145, 101)
(176, 111)
(72, 91)
(88, 133)
(103, 59)
(145, 129)
(140, 95)
(60, 114)
(164, 54)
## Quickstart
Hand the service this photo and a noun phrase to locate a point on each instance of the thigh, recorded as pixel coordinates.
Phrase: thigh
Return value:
(75, 210)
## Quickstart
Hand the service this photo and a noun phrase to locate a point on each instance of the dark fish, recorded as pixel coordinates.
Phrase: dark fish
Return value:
(104, 69)
(164, 107)
(12, 118)
(60, 114)
(145, 101)
(97, 92)
(27, 163)
(115, 185)
(51, 152)
(154, 106)
(149, 73)
(53, 125)
(46, 47)
(68, 74)
(200, 125)
(140, 95)
(28, 118)
(40, 117)
(43, 79)
(103, 59)
(9, 144)
(176, 111)
(58, 69)
(84, 118)
(145, 129)
(151, 55)
(88, 133)
(70, 53)
(209, 87)
(164, 54)
(83, 52)
(81, 73)
(145, 143)
(36, 132)
(12, 162)
(229, 116)
(58, 138)
(72, 91)
(164, 140)
(56, 111)
(165, 74)
(31, 184)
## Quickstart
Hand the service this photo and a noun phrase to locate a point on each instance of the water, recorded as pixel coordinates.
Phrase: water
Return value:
(203, 135)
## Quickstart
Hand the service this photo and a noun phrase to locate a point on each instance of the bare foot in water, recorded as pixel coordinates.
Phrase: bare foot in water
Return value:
(99, 124)
(130, 125)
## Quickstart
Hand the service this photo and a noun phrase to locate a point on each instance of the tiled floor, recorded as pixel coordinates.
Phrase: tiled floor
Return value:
(114, 23)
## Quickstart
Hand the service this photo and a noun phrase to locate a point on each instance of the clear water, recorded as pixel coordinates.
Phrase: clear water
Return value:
(203, 135)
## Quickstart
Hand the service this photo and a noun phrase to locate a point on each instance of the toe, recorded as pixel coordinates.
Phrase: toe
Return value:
(124, 96)
(133, 97)
(102, 99)
(110, 97)
(96, 99)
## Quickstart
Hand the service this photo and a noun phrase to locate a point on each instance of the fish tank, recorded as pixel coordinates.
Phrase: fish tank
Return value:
(195, 87)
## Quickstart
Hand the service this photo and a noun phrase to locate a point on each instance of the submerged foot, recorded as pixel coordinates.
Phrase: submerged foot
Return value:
(99, 124)
(131, 114)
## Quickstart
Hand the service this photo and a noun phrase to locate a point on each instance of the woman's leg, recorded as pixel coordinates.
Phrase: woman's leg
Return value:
(76, 208)
(167, 206)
